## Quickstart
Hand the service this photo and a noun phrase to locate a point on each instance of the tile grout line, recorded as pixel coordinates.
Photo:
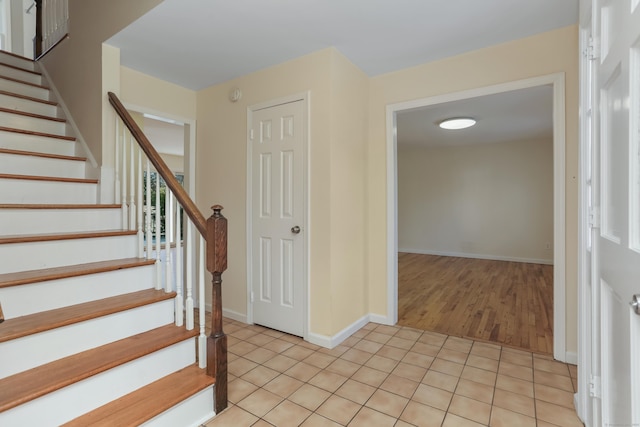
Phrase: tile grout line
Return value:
(397, 362)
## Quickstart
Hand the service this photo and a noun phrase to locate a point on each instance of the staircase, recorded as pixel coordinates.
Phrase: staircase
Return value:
(87, 339)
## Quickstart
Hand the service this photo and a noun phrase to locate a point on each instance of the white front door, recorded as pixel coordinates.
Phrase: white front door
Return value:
(277, 136)
(616, 242)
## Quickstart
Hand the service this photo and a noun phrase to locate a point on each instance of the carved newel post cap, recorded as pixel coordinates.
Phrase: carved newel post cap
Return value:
(216, 209)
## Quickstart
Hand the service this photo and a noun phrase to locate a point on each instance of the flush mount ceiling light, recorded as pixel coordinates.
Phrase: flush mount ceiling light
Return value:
(457, 123)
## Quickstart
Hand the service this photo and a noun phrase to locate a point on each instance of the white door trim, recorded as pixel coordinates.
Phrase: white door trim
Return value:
(559, 292)
(190, 148)
(582, 400)
(305, 98)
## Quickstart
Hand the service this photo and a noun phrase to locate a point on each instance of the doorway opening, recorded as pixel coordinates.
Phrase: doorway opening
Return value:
(550, 249)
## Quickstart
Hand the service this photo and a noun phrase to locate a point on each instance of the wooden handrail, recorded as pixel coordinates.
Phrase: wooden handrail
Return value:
(188, 205)
(214, 232)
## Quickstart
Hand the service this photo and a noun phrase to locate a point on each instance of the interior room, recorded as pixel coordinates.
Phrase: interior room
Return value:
(475, 219)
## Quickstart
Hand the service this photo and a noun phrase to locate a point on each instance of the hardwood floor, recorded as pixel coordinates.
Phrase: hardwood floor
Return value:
(509, 303)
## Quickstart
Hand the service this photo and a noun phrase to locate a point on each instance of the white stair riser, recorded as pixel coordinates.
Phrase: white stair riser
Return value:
(41, 144)
(33, 191)
(18, 121)
(38, 255)
(20, 355)
(55, 408)
(192, 412)
(17, 62)
(41, 166)
(35, 297)
(25, 89)
(28, 106)
(30, 221)
(20, 75)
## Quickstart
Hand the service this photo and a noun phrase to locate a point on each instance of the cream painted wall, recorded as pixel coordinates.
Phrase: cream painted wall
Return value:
(543, 54)
(222, 164)
(175, 163)
(143, 90)
(338, 124)
(75, 65)
(490, 201)
(349, 121)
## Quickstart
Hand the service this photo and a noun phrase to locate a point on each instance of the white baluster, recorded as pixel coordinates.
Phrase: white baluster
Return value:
(54, 16)
(148, 213)
(140, 195)
(168, 234)
(158, 237)
(202, 338)
(189, 263)
(117, 164)
(132, 182)
(45, 25)
(65, 16)
(58, 16)
(123, 183)
(178, 265)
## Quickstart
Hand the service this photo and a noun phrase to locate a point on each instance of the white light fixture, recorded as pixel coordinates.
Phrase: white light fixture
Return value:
(456, 123)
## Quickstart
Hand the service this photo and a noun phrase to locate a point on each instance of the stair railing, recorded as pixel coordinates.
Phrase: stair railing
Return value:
(52, 24)
(135, 162)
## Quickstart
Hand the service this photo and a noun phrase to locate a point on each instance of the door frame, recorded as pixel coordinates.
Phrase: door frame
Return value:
(189, 146)
(586, 268)
(306, 189)
(557, 81)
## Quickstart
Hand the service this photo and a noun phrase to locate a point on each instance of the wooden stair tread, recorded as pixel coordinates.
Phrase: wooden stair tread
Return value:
(25, 386)
(2, 63)
(46, 320)
(147, 402)
(48, 178)
(32, 115)
(43, 134)
(46, 274)
(45, 155)
(28, 98)
(23, 82)
(28, 238)
(58, 206)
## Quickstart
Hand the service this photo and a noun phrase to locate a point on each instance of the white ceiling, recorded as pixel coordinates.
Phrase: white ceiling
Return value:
(199, 43)
(519, 115)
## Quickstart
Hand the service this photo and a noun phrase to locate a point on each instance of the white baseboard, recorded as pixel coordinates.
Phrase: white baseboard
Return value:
(478, 256)
(67, 114)
(333, 341)
(234, 315)
(379, 318)
(571, 357)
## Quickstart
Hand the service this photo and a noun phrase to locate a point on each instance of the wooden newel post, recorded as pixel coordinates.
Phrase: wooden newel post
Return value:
(217, 341)
(38, 40)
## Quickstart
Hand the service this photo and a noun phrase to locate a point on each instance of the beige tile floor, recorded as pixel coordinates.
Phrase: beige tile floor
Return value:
(391, 376)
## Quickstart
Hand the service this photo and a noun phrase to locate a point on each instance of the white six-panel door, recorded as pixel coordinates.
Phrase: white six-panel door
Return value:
(615, 384)
(277, 216)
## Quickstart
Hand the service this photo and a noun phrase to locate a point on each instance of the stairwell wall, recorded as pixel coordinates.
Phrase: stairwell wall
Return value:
(76, 64)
